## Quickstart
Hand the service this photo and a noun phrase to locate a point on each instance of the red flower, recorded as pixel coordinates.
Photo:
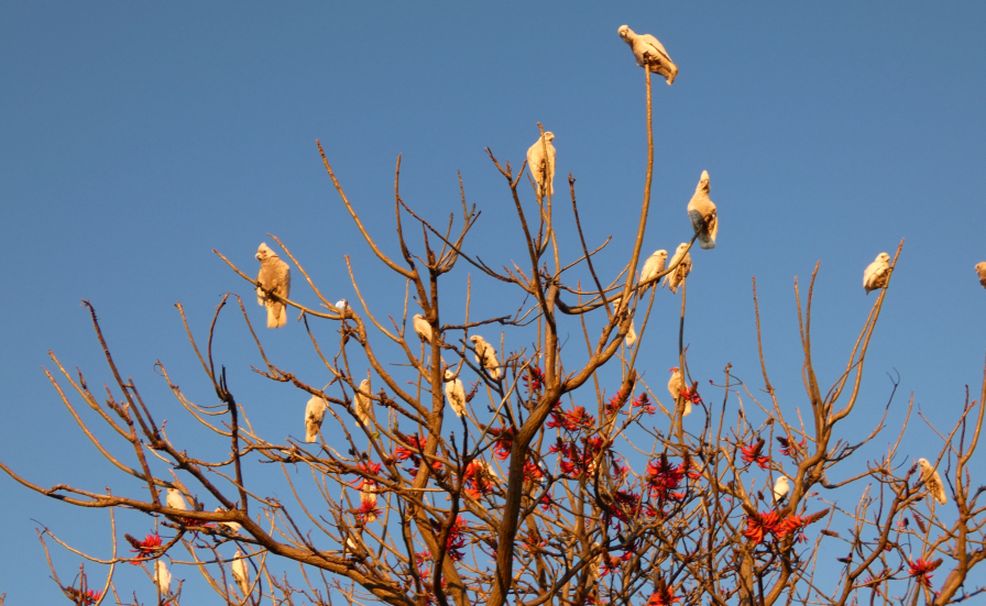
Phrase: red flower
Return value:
(789, 525)
(571, 420)
(643, 402)
(753, 454)
(367, 511)
(758, 525)
(147, 548)
(616, 402)
(534, 379)
(412, 452)
(663, 478)
(503, 441)
(790, 448)
(478, 479)
(532, 471)
(662, 596)
(921, 570)
(612, 563)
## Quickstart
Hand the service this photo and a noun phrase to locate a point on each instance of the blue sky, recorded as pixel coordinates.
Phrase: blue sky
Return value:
(137, 138)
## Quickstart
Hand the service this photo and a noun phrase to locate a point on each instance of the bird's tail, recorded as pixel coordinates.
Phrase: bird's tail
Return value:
(277, 314)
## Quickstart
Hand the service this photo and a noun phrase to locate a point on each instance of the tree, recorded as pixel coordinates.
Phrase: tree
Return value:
(558, 484)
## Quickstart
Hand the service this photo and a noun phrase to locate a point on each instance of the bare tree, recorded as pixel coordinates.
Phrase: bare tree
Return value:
(553, 485)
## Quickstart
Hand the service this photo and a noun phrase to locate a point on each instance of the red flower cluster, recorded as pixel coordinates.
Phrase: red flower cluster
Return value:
(478, 479)
(754, 454)
(571, 420)
(412, 452)
(790, 448)
(576, 461)
(690, 394)
(456, 541)
(503, 441)
(644, 403)
(612, 563)
(532, 471)
(921, 570)
(616, 402)
(533, 380)
(148, 548)
(770, 522)
(662, 596)
(664, 479)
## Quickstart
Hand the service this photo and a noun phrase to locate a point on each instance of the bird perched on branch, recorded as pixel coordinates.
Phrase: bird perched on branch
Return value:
(877, 273)
(653, 266)
(677, 389)
(631, 336)
(781, 488)
(541, 162)
(932, 481)
(162, 577)
(240, 573)
(981, 271)
(364, 404)
(649, 53)
(422, 327)
(455, 392)
(486, 356)
(314, 414)
(274, 278)
(702, 212)
(175, 500)
(682, 264)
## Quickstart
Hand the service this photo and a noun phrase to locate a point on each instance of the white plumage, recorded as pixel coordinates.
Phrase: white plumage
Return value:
(981, 271)
(314, 414)
(233, 527)
(342, 305)
(162, 577)
(455, 392)
(932, 481)
(422, 327)
(653, 266)
(781, 488)
(541, 162)
(702, 212)
(364, 404)
(877, 273)
(240, 573)
(486, 356)
(676, 384)
(275, 277)
(631, 336)
(682, 264)
(175, 500)
(649, 53)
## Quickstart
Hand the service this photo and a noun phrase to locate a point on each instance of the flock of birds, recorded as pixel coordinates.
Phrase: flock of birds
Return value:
(274, 279)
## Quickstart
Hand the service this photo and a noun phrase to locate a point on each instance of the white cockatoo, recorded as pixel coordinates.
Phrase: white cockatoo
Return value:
(422, 327)
(274, 277)
(649, 53)
(455, 392)
(676, 385)
(781, 488)
(653, 266)
(314, 413)
(981, 271)
(541, 161)
(240, 573)
(877, 273)
(175, 500)
(231, 526)
(702, 212)
(363, 407)
(682, 264)
(631, 336)
(932, 481)
(162, 577)
(341, 306)
(486, 356)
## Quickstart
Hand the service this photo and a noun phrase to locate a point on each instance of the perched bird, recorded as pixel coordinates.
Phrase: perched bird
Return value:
(631, 337)
(240, 573)
(682, 264)
(231, 526)
(162, 577)
(486, 356)
(649, 53)
(341, 306)
(541, 162)
(274, 277)
(781, 488)
(653, 266)
(175, 500)
(455, 392)
(702, 212)
(676, 387)
(877, 273)
(314, 413)
(368, 501)
(364, 403)
(422, 327)
(932, 481)
(981, 270)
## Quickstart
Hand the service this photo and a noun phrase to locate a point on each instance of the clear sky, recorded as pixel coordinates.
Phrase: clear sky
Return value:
(136, 138)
